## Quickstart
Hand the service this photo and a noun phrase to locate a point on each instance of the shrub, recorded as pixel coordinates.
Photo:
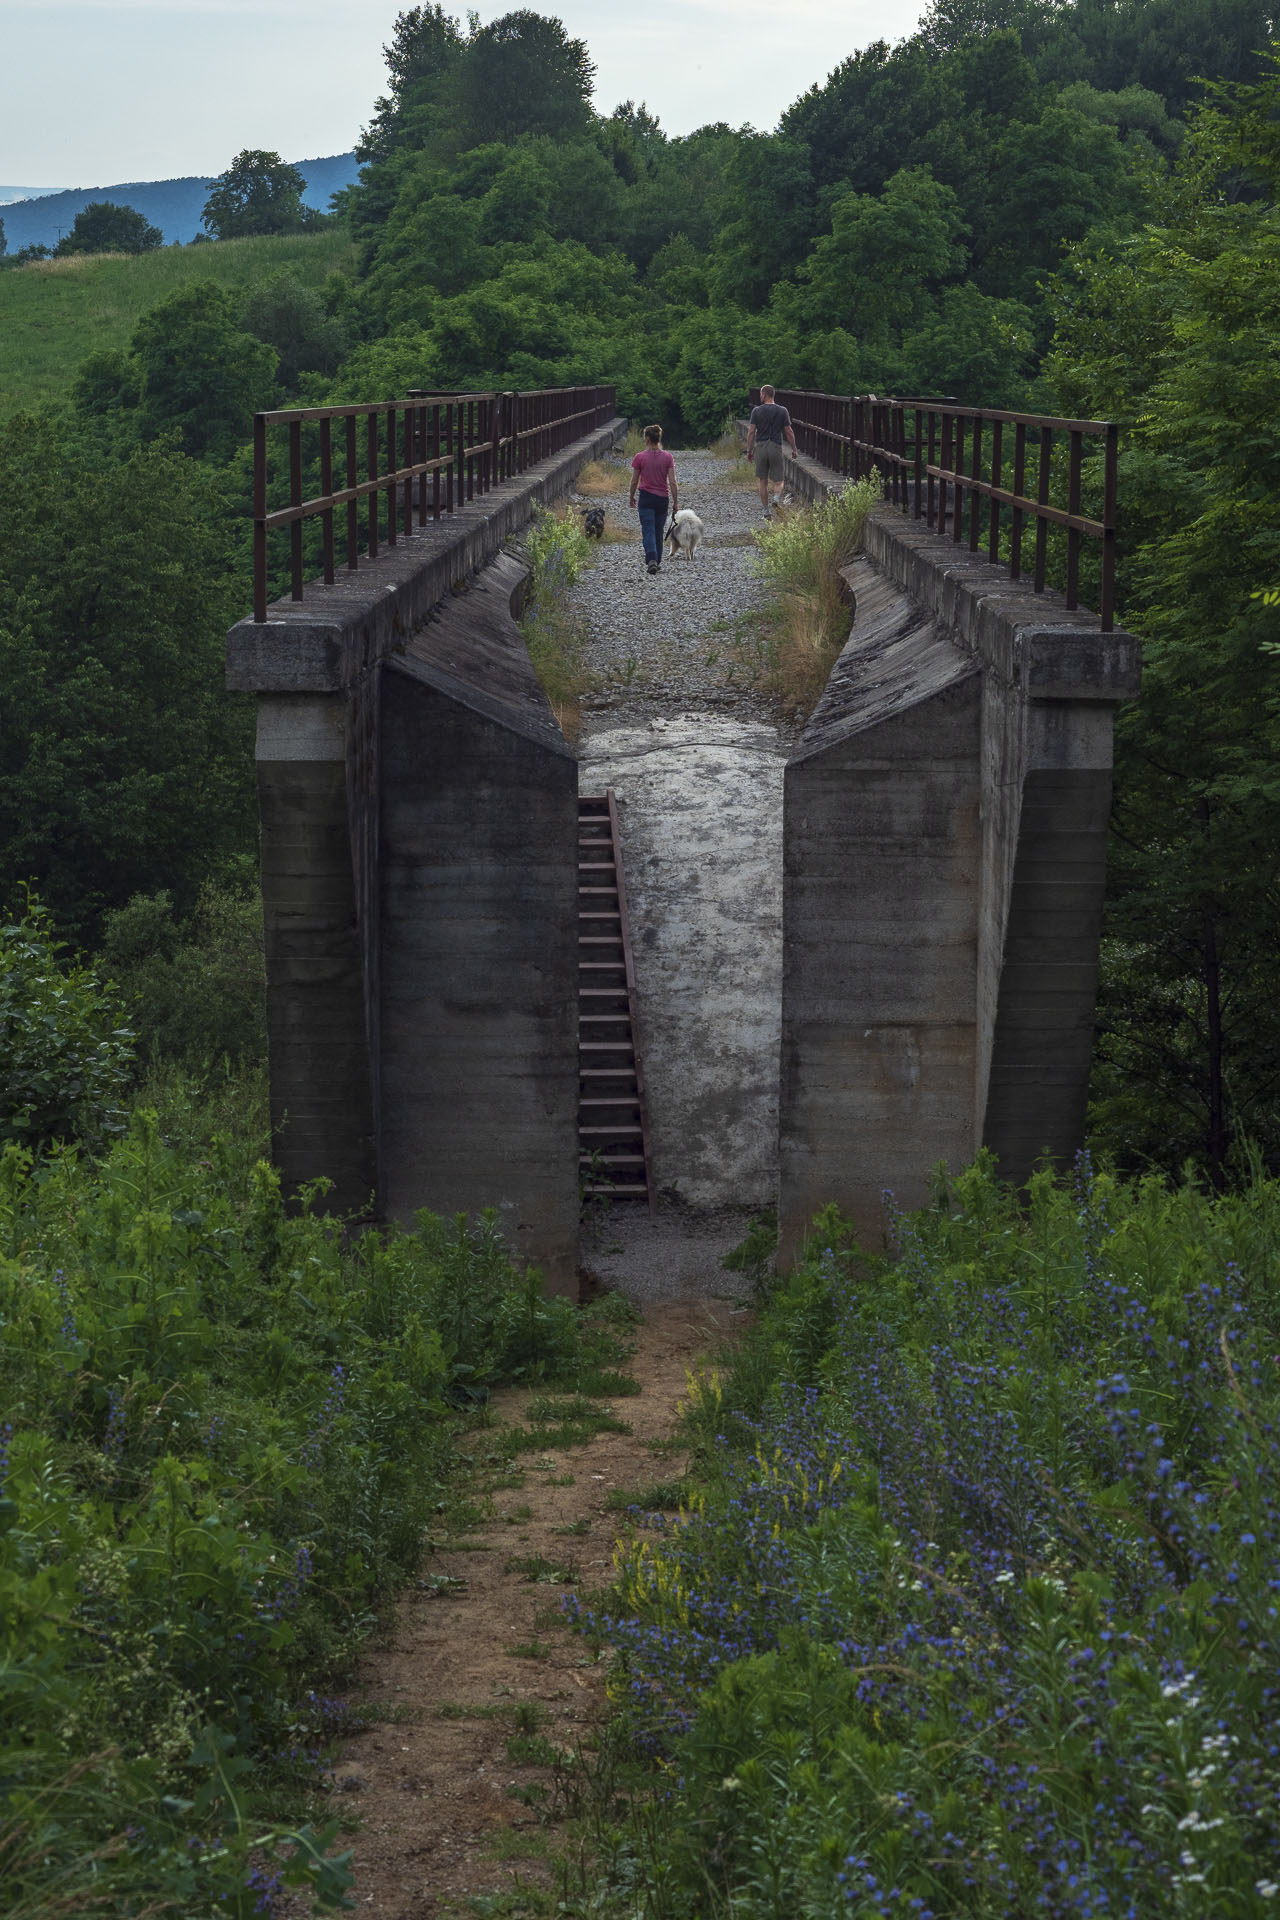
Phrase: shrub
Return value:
(225, 1431)
(975, 1611)
(65, 1053)
(196, 990)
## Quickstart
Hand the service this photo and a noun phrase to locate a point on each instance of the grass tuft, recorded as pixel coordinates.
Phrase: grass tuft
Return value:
(807, 620)
(599, 478)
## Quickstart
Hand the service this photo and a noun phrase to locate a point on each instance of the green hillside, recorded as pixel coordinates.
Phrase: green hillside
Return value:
(54, 312)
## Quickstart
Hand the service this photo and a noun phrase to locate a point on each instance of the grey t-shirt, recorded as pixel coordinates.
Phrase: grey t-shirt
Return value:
(769, 419)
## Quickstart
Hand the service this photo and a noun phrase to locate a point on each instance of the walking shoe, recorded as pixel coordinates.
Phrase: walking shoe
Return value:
(653, 566)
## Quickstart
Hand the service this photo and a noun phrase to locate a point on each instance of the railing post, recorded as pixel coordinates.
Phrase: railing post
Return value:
(259, 517)
(295, 500)
(1107, 600)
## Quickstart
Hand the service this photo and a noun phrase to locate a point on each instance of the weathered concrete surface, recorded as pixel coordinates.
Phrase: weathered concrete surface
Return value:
(945, 842)
(318, 1060)
(478, 933)
(325, 641)
(699, 803)
(410, 656)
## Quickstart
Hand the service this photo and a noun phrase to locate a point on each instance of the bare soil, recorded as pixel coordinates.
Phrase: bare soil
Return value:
(478, 1652)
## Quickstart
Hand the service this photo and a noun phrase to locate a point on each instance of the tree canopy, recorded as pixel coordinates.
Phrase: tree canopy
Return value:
(104, 227)
(258, 193)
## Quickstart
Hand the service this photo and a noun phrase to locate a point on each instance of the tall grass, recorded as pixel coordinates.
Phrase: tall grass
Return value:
(53, 313)
(557, 550)
(807, 617)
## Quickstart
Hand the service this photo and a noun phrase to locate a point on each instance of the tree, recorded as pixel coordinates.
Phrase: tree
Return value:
(1177, 331)
(104, 227)
(199, 372)
(522, 74)
(258, 193)
(124, 764)
(4, 245)
(425, 46)
(292, 319)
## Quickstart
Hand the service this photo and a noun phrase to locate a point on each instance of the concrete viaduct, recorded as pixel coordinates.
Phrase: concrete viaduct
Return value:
(944, 834)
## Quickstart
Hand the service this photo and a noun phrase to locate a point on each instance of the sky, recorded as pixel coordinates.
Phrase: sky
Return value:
(100, 92)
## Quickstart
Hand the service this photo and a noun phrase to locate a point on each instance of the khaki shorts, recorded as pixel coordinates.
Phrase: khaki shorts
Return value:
(768, 459)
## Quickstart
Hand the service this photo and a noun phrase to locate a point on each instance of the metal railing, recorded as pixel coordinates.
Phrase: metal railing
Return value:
(404, 462)
(941, 462)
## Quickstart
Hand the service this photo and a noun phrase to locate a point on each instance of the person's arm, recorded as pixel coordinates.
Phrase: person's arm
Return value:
(790, 435)
(674, 490)
(635, 482)
(751, 440)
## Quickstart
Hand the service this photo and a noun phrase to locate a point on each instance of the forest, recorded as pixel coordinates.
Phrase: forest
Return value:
(1067, 206)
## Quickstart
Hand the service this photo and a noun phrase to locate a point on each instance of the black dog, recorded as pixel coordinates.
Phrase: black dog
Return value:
(593, 522)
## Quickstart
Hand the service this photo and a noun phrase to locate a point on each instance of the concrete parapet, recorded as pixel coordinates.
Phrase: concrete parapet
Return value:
(945, 841)
(325, 641)
(419, 870)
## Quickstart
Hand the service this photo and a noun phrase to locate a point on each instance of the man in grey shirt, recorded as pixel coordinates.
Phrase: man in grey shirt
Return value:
(767, 428)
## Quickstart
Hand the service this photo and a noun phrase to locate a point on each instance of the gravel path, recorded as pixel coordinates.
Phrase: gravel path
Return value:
(667, 640)
(695, 755)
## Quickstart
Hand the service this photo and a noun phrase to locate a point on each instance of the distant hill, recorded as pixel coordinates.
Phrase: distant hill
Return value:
(54, 312)
(24, 193)
(174, 206)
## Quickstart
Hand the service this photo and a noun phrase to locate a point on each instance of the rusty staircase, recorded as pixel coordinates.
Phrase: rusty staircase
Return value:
(613, 1126)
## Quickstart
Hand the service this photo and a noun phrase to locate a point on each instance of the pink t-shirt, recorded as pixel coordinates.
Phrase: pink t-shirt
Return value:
(655, 467)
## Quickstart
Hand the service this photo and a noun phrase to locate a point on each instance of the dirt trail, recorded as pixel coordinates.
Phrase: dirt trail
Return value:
(432, 1781)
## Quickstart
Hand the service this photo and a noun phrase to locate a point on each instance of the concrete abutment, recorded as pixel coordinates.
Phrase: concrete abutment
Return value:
(944, 847)
(419, 873)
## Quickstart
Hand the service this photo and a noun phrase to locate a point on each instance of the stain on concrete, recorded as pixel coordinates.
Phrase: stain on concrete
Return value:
(700, 808)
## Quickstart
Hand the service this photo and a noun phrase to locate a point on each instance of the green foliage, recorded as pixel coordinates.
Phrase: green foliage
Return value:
(103, 227)
(286, 315)
(123, 761)
(259, 193)
(49, 313)
(971, 1604)
(557, 551)
(1176, 331)
(227, 1429)
(199, 372)
(522, 74)
(66, 1054)
(195, 989)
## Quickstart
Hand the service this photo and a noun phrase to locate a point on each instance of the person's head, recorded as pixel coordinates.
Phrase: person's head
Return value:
(766, 394)
(654, 436)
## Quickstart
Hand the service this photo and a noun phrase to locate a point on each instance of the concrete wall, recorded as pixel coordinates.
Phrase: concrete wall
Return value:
(945, 835)
(419, 881)
(479, 934)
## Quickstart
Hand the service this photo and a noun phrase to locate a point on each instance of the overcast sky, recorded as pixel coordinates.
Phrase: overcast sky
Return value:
(98, 92)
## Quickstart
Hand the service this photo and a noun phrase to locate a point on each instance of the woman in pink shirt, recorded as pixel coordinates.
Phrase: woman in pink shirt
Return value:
(653, 474)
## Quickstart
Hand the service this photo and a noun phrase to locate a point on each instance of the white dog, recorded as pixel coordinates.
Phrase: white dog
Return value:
(684, 533)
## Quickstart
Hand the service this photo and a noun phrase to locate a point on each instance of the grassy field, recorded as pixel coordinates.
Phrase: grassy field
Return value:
(55, 312)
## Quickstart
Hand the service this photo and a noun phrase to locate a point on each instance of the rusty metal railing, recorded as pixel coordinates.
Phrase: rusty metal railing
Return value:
(403, 462)
(941, 461)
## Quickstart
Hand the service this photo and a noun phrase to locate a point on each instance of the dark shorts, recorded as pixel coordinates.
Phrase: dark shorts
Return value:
(769, 459)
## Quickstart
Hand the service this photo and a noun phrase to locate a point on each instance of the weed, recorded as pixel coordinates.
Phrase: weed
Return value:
(576, 1527)
(807, 621)
(529, 1650)
(519, 1843)
(535, 1567)
(660, 1496)
(600, 478)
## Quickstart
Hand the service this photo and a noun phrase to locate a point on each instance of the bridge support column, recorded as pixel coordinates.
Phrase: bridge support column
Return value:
(945, 845)
(318, 1056)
